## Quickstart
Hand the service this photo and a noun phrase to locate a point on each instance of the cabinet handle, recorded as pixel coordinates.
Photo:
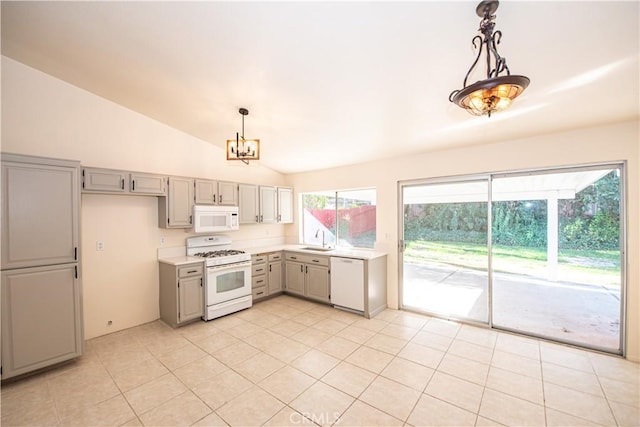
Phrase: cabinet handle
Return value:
(219, 199)
(301, 268)
(269, 267)
(292, 257)
(190, 219)
(307, 270)
(315, 260)
(258, 270)
(261, 218)
(259, 281)
(133, 185)
(123, 183)
(192, 271)
(259, 293)
(257, 218)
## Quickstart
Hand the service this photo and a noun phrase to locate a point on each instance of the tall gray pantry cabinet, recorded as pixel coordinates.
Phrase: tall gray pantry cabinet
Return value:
(41, 288)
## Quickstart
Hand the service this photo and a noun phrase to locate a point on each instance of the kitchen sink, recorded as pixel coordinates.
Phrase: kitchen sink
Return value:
(317, 248)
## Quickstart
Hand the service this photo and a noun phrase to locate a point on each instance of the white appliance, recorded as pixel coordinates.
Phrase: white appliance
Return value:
(227, 280)
(211, 219)
(347, 283)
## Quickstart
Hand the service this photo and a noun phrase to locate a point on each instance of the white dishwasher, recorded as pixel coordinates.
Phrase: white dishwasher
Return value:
(347, 283)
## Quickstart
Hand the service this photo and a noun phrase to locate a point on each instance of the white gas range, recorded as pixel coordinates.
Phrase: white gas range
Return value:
(227, 284)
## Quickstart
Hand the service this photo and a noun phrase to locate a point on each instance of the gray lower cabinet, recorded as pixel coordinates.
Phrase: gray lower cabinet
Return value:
(307, 276)
(259, 276)
(266, 278)
(41, 318)
(274, 274)
(181, 293)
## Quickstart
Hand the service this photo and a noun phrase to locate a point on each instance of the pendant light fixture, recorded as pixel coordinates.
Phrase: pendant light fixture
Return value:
(497, 91)
(241, 148)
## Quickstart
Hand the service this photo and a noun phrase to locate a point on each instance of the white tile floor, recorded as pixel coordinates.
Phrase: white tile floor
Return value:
(287, 361)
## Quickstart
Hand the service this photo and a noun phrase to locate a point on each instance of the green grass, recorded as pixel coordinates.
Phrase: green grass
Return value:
(580, 266)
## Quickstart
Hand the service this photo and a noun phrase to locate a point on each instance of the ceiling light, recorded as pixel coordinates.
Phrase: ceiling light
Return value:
(496, 92)
(241, 148)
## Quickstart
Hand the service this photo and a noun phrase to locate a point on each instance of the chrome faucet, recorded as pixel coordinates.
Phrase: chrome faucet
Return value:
(318, 232)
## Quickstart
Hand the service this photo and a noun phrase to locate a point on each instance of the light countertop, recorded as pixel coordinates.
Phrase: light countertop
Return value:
(170, 255)
(339, 252)
(181, 260)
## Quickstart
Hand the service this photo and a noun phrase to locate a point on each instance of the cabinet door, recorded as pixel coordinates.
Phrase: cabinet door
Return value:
(227, 193)
(190, 299)
(268, 207)
(104, 180)
(294, 272)
(248, 204)
(275, 277)
(40, 210)
(142, 183)
(285, 205)
(41, 318)
(180, 202)
(205, 192)
(317, 282)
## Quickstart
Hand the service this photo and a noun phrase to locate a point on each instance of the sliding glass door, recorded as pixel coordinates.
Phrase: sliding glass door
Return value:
(445, 256)
(537, 252)
(556, 240)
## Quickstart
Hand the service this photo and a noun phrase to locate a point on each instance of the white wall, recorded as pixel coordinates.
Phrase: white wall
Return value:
(45, 116)
(602, 144)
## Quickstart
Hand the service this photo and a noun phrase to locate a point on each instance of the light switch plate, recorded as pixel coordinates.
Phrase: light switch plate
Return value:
(99, 245)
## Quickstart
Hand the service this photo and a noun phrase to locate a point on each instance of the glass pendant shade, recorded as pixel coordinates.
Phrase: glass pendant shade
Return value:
(487, 96)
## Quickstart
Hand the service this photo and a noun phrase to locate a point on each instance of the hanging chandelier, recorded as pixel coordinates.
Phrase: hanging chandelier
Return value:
(497, 91)
(241, 148)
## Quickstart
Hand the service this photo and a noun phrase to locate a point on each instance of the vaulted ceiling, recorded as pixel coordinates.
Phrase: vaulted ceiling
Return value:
(335, 83)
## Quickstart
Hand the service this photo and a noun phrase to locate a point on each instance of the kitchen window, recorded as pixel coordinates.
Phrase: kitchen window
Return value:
(342, 218)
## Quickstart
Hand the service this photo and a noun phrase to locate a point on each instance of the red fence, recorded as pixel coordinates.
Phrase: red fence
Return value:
(359, 220)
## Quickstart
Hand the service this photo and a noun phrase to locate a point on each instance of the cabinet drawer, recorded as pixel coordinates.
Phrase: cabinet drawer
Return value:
(258, 269)
(315, 260)
(275, 257)
(260, 292)
(258, 281)
(294, 256)
(190, 270)
(258, 259)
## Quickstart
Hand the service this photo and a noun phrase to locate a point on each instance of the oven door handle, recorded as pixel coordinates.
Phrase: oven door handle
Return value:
(217, 268)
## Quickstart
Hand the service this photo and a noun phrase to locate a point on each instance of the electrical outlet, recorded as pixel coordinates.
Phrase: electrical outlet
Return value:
(99, 245)
(162, 240)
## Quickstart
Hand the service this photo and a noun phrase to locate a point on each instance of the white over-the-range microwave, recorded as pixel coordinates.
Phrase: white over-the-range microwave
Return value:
(207, 219)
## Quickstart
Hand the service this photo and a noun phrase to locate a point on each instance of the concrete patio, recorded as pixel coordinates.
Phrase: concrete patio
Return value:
(572, 312)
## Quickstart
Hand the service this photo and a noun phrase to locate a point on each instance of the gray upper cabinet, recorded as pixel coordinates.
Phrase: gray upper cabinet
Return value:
(248, 204)
(105, 180)
(176, 209)
(268, 205)
(205, 191)
(285, 205)
(208, 192)
(40, 213)
(227, 193)
(144, 183)
(99, 180)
